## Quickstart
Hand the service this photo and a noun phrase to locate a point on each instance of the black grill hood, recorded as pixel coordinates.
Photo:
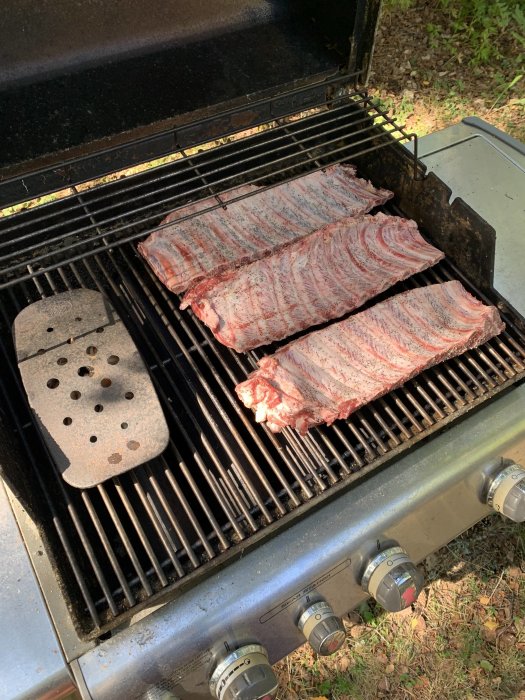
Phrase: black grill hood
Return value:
(79, 76)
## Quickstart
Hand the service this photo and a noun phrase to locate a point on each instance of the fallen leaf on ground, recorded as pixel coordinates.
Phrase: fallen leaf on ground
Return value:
(357, 631)
(384, 684)
(486, 665)
(484, 599)
(491, 624)
(343, 663)
(507, 640)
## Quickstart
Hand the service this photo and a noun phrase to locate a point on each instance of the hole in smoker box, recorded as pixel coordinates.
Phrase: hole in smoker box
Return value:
(93, 438)
(105, 382)
(91, 350)
(67, 420)
(113, 359)
(99, 408)
(75, 395)
(86, 371)
(115, 458)
(123, 426)
(52, 383)
(50, 330)
(133, 445)
(62, 361)
(129, 395)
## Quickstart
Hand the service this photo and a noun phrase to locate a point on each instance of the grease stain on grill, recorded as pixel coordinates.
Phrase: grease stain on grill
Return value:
(133, 445)
(115, 458)
(86, 371)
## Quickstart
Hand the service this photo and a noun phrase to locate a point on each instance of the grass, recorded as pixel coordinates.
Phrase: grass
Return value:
(464, 639)
(454, 58)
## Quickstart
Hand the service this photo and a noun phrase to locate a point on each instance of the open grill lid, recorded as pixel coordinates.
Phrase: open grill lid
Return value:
(93, 74)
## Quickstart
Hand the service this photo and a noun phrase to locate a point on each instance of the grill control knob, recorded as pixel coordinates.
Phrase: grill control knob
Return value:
(507, 493)
(245, 674)
(322, 628)
(392, 579)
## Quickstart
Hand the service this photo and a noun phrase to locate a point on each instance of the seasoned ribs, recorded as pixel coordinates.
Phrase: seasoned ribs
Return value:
(330, 373)
(248, 229)
(318, 278)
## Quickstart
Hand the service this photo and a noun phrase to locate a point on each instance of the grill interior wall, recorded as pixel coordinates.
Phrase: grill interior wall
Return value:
(224, 482)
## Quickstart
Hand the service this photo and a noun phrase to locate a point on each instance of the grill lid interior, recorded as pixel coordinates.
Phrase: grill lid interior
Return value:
(115, 67)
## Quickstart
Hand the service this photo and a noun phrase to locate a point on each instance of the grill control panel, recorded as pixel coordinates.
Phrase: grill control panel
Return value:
(245, 674)
(506, 493)
(322, 628)
(392, 579)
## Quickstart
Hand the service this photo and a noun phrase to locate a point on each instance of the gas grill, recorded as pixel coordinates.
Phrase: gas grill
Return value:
(187, 575)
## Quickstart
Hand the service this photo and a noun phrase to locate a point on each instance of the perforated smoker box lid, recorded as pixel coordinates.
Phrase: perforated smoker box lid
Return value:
(88, 386)
(115, 71)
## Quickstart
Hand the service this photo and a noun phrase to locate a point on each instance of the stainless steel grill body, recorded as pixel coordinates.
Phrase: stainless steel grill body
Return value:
(423, 500)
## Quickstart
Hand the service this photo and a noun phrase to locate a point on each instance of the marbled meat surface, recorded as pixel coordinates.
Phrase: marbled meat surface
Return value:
(218, 240)
(330, 373)
(316, 279)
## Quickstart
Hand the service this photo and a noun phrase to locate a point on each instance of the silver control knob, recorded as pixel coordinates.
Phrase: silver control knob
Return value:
(245, 674)
(507, 493)
(322, 628)
(392, 579)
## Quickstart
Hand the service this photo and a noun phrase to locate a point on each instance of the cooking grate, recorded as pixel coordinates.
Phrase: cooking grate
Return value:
(87, 220)
(223, 479)
(224, 482)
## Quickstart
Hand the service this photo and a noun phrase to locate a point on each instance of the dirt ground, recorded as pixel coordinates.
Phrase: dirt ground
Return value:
(428, 77)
